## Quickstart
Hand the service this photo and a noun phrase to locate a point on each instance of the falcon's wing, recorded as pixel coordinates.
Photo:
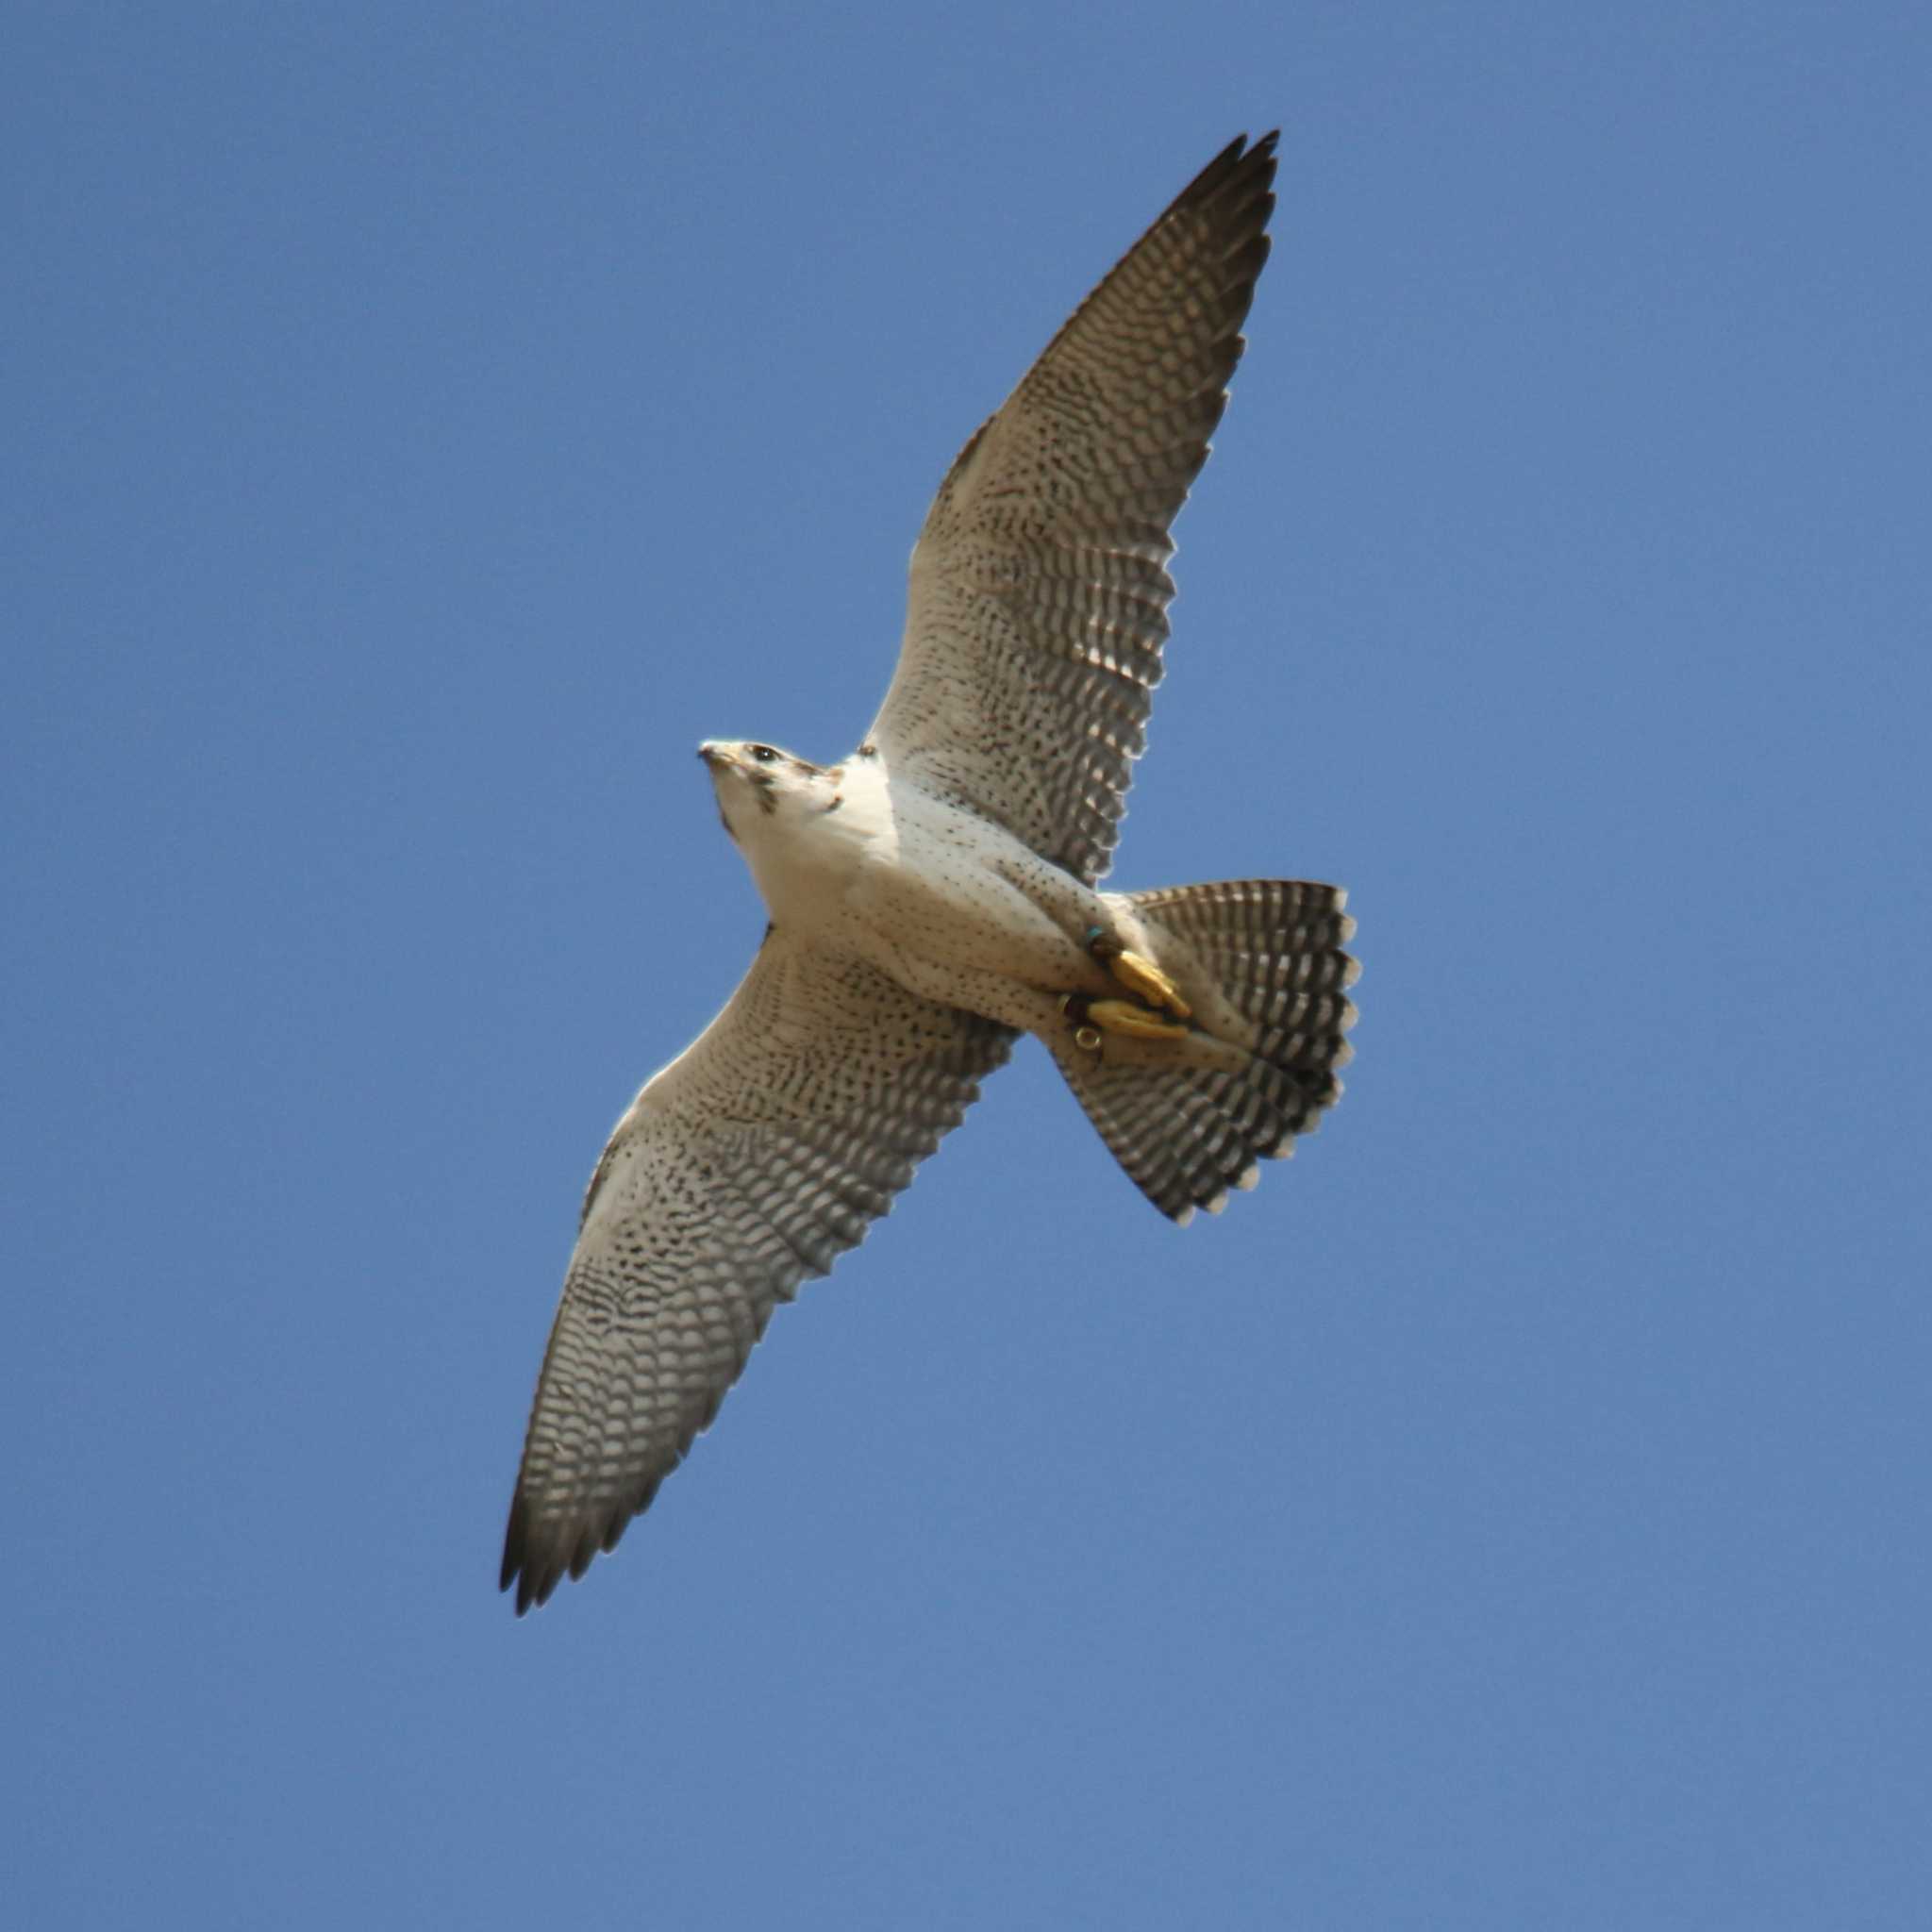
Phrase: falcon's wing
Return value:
(751, 1161)
(1039, 585)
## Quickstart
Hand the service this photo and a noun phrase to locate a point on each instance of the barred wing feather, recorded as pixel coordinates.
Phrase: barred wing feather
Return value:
(748, 1164)
(1039, 587)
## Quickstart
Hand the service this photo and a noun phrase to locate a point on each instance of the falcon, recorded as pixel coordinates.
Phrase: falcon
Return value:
(935, 895)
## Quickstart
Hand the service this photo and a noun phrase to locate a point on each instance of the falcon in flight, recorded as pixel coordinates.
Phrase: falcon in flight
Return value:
(934, 895)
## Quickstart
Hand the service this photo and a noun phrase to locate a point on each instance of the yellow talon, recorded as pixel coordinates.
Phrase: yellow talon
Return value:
(1143, 977)
(1122, 1016)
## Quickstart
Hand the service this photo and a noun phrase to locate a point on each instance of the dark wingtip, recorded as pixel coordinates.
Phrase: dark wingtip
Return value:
(533, 1587)
(1251, 165)
(538, 1556)
(534, 1581)
(512, 1546)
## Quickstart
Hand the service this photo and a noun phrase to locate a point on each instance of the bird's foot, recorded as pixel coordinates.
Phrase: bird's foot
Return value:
(1137, 1022)
(1142, 977)
(1091, 1018)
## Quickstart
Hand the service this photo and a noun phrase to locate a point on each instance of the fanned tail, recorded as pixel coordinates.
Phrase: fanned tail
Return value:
(1262, 964)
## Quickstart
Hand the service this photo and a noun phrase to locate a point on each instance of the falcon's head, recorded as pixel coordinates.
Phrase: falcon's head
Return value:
(761, 788)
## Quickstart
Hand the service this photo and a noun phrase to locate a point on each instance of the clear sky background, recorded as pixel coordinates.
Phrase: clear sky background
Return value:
(424, 425)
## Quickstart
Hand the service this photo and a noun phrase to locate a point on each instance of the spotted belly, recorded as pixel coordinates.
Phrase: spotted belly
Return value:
(956, 909)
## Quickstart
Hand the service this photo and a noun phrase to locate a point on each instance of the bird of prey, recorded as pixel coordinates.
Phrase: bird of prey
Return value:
(935, 895)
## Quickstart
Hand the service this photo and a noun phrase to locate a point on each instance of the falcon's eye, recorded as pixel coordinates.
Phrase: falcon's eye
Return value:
(762, 753)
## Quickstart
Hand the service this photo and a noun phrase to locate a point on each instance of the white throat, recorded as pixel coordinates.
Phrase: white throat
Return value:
(805, 857)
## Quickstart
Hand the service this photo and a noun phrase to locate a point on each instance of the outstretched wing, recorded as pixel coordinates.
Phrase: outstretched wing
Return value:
(1039, 585)
(751, 1161)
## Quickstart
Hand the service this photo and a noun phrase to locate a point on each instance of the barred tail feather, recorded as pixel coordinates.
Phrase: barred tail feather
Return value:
(1187, 1131)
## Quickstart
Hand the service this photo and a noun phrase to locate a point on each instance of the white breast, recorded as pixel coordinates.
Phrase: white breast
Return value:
(806, 859)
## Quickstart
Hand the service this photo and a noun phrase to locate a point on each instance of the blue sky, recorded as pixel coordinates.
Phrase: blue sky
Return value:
(424, 426)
